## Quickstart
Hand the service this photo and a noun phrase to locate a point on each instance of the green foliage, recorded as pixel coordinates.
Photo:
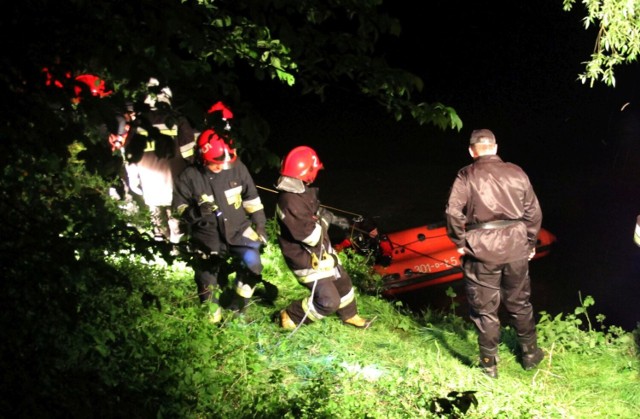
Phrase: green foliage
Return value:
(205, 51)
(454, 405)
(360, 267)
(618, 39)
(568, 333)
(452, 295)
(99, 320)
(145, 349)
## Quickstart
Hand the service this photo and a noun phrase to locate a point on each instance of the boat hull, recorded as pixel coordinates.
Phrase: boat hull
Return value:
(425, 256)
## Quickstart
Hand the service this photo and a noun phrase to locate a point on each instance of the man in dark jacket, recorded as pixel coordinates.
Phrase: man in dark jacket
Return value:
(305, 245)
(219, 202)
(493, 217)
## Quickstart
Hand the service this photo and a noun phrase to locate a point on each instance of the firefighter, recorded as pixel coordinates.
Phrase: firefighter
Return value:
(305, 244)
(154, 162)
(105, 157)
(218, 200)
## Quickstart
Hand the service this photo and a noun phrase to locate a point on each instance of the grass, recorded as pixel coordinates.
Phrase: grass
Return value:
(405, 365)
(145, 349)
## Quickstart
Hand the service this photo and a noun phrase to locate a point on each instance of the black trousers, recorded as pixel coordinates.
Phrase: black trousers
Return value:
(487, 286)
(248, 274)
(331, 295)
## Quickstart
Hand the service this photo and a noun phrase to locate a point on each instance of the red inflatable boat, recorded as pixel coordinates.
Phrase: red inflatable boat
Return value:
(424, 256)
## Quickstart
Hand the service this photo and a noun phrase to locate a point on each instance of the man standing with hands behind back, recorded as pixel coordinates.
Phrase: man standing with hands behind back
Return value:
(493, 218)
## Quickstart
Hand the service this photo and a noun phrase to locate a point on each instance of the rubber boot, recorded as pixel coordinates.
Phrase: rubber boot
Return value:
(531, 354)
(357, 321)
(285, 321)
(489, 362)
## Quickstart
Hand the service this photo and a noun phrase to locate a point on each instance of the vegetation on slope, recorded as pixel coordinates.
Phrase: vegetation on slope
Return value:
(131, 339)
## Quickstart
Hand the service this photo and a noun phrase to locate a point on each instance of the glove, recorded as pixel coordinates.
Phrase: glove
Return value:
(341, 222)
(206, 209)
(327, 217)
(324, 216)
(262, 232)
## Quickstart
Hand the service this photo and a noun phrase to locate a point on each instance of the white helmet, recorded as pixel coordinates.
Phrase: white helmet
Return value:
(164, 95)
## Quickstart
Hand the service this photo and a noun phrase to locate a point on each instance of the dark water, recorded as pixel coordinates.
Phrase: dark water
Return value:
(518, 79)
(400, 175)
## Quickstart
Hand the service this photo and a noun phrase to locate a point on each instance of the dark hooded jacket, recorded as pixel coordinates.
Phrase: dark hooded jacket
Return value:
(489, 190)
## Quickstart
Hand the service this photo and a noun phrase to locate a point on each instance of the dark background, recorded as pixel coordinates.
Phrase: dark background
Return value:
(511, 67)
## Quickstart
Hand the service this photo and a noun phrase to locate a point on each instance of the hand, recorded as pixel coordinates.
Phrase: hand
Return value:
(341, 222)
(206, 209)
(327, 217)
(116, 141)
(324, 216)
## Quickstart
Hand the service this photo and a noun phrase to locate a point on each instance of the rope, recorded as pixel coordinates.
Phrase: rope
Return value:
(362, 231)
(266, 189)
(325, 206)
(306, 313)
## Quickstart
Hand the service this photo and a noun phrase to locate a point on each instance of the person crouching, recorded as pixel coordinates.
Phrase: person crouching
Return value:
(306, 247)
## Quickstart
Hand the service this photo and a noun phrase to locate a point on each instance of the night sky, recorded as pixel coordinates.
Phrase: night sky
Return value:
(511, 67)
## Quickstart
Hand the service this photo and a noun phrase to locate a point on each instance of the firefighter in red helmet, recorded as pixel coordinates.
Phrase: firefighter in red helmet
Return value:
(215, 151)
(95, 85)
(306, 247)
(218, 200)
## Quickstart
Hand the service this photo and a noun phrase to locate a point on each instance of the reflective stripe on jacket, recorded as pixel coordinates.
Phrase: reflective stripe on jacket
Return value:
(229, 190)
(303, 239)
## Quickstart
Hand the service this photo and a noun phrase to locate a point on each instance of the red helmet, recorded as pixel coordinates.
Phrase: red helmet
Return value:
(96, 85)
(214, 150)
(301, 163)
(219, 106)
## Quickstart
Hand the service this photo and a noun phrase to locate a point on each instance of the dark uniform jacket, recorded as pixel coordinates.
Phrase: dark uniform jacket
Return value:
(302, 235)
(490, 190)
(237, 206)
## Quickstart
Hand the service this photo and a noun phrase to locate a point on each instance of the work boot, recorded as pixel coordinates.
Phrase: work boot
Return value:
(531, 356)
(489, 365)
(357, 321)
(286, 322)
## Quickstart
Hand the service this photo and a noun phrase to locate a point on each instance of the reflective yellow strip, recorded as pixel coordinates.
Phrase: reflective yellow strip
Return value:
(314, 237)
(182, 208)
(347, 299)
(251, 234)
(188, 150)
(310, 310)
(309, 275)
(252, 205)
(244, 290)
(205, 198)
